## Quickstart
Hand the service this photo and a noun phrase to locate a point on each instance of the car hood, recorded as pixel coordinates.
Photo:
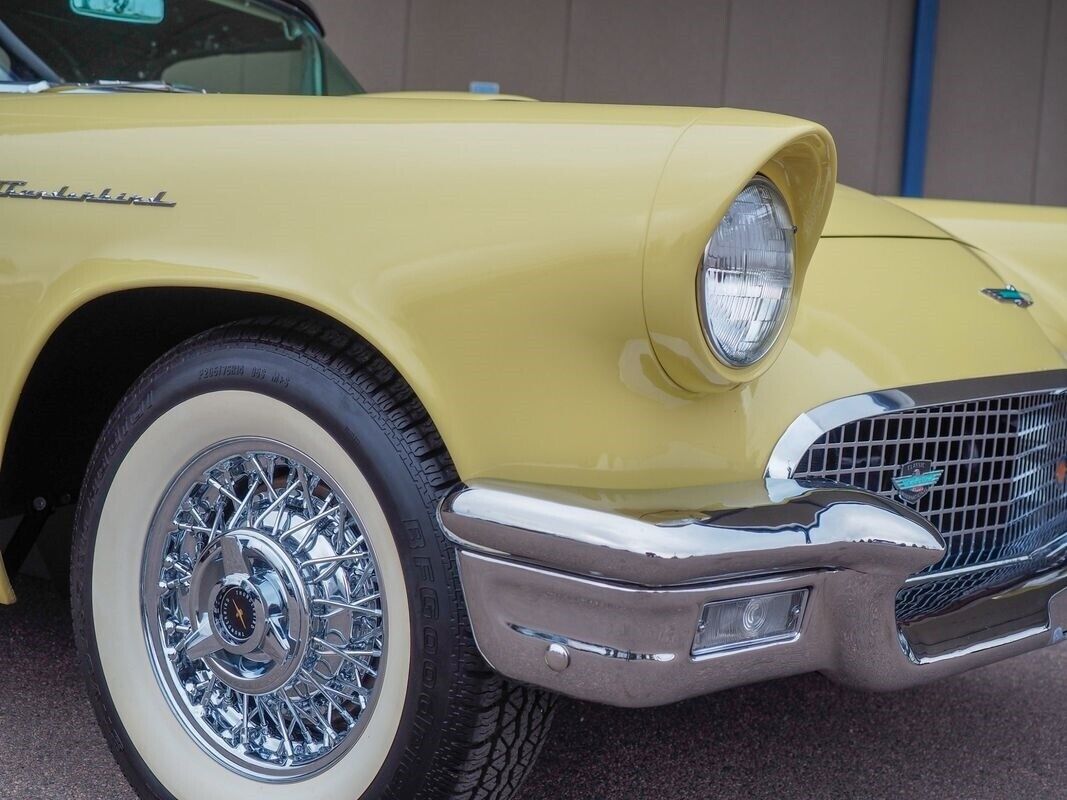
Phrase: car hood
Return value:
(1017, 245)
(857, 214)
(1022, 244)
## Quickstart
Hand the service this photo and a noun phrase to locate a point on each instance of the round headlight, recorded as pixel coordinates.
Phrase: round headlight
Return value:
(746, 279)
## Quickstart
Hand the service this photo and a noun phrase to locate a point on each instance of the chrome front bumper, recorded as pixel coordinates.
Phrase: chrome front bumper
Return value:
(598, 595)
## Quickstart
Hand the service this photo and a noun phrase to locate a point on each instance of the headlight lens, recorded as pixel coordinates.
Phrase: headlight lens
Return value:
(746, 280)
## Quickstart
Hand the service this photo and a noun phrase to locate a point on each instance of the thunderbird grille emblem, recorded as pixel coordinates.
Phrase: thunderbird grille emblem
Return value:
(915, 480)
(1009, 294)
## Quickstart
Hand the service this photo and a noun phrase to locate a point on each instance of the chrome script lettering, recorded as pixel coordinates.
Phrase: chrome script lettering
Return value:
(17, 190)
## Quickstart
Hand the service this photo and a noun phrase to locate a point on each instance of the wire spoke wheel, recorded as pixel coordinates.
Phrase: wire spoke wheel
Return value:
(263, 610)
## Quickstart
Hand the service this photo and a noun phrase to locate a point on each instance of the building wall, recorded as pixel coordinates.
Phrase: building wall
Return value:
(999, 117)
(998, 122)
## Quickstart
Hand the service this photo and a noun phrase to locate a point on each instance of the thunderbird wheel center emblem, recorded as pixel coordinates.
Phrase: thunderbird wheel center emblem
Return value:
(235, 613)
(915, 480)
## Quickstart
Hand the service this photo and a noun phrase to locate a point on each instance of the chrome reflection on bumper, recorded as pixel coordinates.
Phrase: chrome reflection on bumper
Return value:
(598, 595)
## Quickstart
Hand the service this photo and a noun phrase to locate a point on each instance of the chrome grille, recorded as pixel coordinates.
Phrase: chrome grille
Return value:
(1001, 504)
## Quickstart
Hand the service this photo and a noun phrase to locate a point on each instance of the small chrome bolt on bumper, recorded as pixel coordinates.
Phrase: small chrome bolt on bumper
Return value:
(557, 657)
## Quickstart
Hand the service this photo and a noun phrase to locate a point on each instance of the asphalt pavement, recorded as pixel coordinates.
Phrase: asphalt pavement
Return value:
(994, 734)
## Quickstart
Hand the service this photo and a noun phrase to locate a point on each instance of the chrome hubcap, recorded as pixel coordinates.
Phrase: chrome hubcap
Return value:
(263, 610)
(251, 608)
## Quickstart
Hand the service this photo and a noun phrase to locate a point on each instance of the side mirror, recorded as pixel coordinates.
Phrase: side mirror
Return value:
(144, 12)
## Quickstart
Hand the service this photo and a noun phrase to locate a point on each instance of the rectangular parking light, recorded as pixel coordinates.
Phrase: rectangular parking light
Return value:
(749, 621)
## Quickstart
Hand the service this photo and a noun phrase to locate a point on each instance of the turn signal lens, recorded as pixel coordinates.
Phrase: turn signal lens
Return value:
(746, 279)
(748, 621)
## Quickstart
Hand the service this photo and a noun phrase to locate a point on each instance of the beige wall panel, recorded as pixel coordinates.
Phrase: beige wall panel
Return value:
(517, 43)
(820, 59)
(894, 102)
(669, 52)
(1051, 176)
(369, 36)
(986, 99)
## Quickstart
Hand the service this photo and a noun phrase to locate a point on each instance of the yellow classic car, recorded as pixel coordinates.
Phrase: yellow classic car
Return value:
(391, 418)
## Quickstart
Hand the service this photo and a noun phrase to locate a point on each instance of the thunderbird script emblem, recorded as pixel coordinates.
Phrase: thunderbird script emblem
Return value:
(16, 190)
(915, 480)
(1009, 294)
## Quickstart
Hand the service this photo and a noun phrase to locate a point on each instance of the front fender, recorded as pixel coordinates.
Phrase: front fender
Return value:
(494, 252)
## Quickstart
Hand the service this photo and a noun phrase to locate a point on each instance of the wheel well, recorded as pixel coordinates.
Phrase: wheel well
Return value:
(86, 366)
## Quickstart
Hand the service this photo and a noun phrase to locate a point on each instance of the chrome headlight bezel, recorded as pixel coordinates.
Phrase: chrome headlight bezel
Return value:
(782, 230)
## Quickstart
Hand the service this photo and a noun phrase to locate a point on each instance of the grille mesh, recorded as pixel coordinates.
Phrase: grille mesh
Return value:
(998, 499)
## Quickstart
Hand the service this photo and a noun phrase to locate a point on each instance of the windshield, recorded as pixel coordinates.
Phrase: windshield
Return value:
(235, 46)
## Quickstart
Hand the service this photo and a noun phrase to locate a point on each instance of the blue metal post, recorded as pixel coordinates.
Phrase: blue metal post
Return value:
(917, 123)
